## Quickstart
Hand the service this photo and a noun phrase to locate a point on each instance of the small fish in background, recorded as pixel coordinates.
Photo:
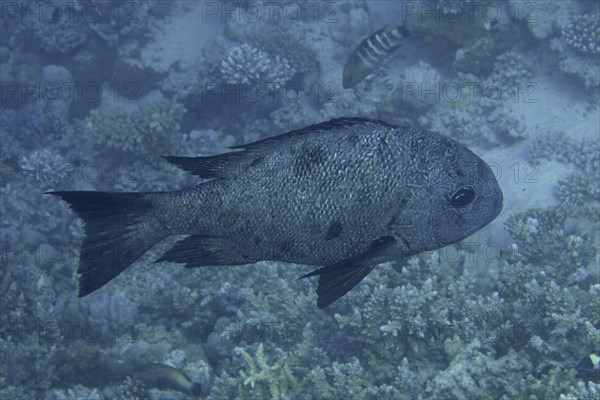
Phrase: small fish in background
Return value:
(370, 53)
(165, 377)
(589, 368)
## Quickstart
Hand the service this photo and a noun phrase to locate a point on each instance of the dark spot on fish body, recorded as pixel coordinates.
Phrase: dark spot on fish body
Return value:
(256, 161)
(352, 139)
(365, 198)
(393, 222)
(229, 217)
(314, 229)
(308, 159)
(403, 201)
(286, 248)
(334, 230)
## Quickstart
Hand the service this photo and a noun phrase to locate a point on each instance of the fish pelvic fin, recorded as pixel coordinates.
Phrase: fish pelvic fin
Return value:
(336, 283)
(118, 232)
(338, 279)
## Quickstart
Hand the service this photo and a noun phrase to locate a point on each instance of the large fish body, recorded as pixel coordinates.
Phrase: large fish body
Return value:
(345, 194)
(371, 53)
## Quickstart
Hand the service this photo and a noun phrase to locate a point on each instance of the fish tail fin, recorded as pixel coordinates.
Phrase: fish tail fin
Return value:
(118, 231)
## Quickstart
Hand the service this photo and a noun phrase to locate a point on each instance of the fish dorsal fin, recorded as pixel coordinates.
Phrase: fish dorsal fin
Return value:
(231, 164)
(372, 35)
(400, 32)
(338, 123)
(219, 166)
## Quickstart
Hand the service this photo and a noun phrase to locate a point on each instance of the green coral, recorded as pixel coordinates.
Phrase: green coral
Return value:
(475, 371)
(148, 130)
(582, 391)
(269, 381)
(540, 235)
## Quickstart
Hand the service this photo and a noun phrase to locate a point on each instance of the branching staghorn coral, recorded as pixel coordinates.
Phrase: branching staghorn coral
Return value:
(248, 65)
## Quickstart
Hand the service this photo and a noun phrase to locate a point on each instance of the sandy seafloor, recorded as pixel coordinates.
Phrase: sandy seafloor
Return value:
(515, 316)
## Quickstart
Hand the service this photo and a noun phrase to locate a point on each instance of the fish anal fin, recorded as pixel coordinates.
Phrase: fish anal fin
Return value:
(335, 284)
(199, 251)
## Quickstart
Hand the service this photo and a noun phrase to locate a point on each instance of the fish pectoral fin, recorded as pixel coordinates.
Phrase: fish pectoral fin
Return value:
(199, 251)
(334, 284)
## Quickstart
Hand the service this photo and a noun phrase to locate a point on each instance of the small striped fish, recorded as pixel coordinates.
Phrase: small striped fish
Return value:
(370, 53)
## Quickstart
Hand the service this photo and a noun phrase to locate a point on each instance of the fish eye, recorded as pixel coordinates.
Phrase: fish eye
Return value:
(463, 197)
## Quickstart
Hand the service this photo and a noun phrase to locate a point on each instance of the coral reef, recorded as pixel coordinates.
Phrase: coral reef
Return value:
(581, 187)
(558, 146)
(77, 392)
(478, 111)
(268, 381)
(145, 131)
(53, 26)
(445, 24)
(248, 65)
(578, 48)
(540, 229)
(20, 130)
(118, 21)
(474, 122)
(423, 76)
(582, 391)
(543, 18)
(477, 58)
(583, 33)
(278, 38)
